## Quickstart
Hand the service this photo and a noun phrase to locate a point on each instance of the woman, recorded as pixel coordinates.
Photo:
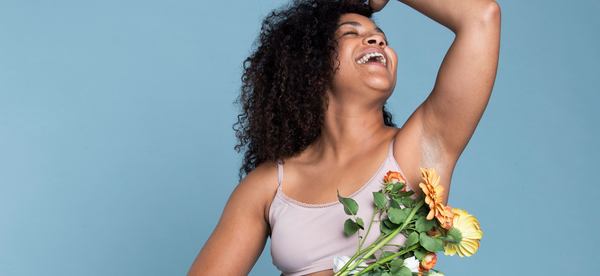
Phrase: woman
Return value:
(313, 100)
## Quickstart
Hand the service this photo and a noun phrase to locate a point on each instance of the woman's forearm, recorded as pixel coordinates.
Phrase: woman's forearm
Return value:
(455, 14)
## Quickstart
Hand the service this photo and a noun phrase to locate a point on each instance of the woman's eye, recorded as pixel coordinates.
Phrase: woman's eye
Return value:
(350, 33)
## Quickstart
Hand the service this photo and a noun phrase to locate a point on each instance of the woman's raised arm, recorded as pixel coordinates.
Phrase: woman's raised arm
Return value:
(239, 238)
(447, 119)
(466, 76)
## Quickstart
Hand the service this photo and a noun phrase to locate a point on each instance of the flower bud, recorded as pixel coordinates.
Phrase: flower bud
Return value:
(393, 177)
(428, 261)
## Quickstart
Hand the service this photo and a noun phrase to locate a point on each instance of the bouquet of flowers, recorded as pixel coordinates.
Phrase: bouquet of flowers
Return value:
(428, 225)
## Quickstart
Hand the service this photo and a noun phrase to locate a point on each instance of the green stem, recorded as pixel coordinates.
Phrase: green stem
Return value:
(361, 252)
(396, 245)
(362, 242)
(358, 236)
(387, 259)
(381, 243)
(358, 254)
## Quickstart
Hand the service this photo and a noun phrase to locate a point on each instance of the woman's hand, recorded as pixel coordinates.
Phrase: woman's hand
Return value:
(377, 5)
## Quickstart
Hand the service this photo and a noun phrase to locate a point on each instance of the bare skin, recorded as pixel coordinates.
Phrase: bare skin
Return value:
(354, 138)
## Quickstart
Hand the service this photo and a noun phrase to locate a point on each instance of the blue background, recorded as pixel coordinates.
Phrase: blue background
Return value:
(116, 140)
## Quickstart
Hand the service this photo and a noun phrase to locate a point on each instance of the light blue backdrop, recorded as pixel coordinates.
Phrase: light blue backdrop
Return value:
(116, 140)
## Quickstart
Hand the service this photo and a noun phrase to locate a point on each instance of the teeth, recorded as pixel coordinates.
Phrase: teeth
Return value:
(366, 58)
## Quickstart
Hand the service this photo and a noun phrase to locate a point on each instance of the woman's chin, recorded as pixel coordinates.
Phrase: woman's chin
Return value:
(379, 84)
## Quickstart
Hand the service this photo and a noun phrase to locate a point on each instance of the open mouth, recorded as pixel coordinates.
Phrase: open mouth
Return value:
(373, 57)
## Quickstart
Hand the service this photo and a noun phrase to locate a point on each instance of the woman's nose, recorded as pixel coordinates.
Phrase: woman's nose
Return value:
(375, 39)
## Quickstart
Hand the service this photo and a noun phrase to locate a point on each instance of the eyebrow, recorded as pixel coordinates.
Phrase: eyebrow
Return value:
(356, 24)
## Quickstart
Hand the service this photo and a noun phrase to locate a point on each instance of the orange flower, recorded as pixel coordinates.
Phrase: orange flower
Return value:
(445, 217)
(428, 261)
(393, 176)
(433, 197)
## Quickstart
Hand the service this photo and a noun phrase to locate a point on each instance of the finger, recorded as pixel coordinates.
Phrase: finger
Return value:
(377, 5)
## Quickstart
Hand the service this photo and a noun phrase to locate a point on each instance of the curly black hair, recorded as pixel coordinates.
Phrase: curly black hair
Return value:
(285, 78)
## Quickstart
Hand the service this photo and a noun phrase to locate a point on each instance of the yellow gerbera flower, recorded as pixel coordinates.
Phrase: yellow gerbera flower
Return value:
(469, 228)
(433, 197)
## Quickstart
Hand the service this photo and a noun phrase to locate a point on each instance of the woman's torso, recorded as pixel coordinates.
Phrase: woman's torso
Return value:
(305, 236)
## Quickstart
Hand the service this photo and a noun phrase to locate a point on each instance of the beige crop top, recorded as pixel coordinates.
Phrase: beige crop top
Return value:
(306, 237)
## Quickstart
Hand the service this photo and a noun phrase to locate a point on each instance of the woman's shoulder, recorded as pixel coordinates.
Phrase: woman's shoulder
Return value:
(260, 185)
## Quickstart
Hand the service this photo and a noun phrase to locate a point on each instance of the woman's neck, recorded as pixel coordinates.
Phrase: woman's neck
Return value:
(346, 133)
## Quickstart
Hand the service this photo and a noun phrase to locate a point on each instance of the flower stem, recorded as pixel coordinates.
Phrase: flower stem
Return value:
(357, 254)
(387, 259)
(381, 243)
(362, 242)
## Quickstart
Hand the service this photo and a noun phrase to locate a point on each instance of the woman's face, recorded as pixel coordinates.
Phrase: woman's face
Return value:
(366, 62)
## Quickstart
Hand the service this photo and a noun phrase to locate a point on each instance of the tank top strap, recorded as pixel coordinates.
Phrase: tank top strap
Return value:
(393, 159)
(280, 163)
(391, 148)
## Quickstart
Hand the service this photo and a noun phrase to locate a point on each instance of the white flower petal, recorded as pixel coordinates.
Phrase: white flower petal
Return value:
(412, 263)
(340, 261)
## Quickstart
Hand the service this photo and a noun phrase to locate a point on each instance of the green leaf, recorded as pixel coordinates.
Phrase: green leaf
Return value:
(360, 223)
(407, 201)
(384, 229)
(398, 216)
(412, 239)
(430, 243)
(401, 202)
(350, 227)
(396, 265)
(397, 187)
(378, 270)
(406, 194)
(386, 254)
(388, 188)
(404, 271)
(375, 273)
(423, 224)
(380, 200)
(454, 235)
(396, 203)
(350, 205)
(389, 224)
(420, 254)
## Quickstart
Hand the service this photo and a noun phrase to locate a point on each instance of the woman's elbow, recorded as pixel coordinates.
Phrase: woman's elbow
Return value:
(490, 13)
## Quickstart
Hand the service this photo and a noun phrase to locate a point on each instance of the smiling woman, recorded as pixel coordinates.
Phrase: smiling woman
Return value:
(366, 62)
(313, 98)
(290, 71)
